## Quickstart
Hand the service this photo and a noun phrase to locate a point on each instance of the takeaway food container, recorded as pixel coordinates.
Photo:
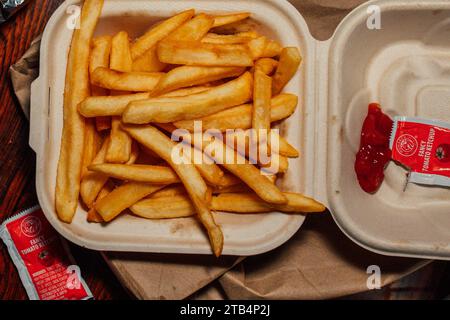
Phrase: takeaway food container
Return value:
(405, 66)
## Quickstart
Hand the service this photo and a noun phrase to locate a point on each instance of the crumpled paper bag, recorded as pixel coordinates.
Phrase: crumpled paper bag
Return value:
(318, 262)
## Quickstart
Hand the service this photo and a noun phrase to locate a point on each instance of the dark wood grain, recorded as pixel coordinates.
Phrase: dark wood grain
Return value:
(17, 160)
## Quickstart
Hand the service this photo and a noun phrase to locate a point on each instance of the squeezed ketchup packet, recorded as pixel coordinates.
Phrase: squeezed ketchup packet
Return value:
(423, 146)
(41, 256)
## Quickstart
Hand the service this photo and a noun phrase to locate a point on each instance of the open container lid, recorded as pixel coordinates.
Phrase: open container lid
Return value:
(405, 66)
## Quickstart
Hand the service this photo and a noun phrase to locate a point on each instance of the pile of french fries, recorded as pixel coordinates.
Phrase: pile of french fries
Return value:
(126, 100)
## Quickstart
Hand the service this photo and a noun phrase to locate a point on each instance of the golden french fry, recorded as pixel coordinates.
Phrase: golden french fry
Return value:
(193, 30)
(230, 18)
(92, 182)
(93, 215)
(137, 172)
(179, 206)
(76, 90)
(109, 105)
(239, 188)
(228, 180)
(209, 171)
(185, 92)
(123, 197)
(251, 203)
(125, 81)
(228, 38)
(262, 94)
(159, 143)
(206, 218)
(120, 59)
(166, 110)
(134, 155)
(273, 49)
(257, 47)
(197, 189)
(204, 54)
(277, 164)
(187, 76)
(100, 54)
(284, 147)
(159, 32)
(290, 60)
(237, 165)
(164, 207)
(92, 143)
(170, 191)
(240, 117)
(148, 62)
(240, 140)
(119, 147)
(266, 65)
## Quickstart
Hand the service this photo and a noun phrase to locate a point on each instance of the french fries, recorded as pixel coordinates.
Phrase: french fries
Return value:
(77, 89)
(266, 65)
(273, 49)
(158, 33)
(100, 56)
(92, 183)
(155, 140)
(250, 203)
(166, 110)
(137, 172)
(214, 38)
(193, 53)
(229, 18)
(120, 59)
(148, 62)
(177, 206)
(290, 60)
(238, 165)
(181, 207)
(93, 215)
(240, 117)
(122, 198)
(262, 95)
(217, 70)
(108, 105)
(187, 76)
(119, 147)
(193, 30)
(240, 140)
(125, 81)
(186, 91)
(257, 47)
(92, 143)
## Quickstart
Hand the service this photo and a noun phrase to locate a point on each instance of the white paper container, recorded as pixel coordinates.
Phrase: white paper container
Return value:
(334, 95)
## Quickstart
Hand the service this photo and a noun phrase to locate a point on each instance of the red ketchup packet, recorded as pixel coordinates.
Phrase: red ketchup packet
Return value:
(41, 256)
(423, 146)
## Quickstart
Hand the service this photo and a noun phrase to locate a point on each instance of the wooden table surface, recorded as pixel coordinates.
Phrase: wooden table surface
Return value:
(17, 173)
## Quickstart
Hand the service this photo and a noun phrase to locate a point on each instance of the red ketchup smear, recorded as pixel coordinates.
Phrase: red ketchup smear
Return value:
(374, 152)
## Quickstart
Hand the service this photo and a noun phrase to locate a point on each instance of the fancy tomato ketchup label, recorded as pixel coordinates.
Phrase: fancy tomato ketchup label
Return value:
(42, 259)
(423, 146)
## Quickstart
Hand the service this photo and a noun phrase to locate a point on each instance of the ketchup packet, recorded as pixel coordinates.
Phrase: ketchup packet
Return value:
(423, 146)
(41, 256)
